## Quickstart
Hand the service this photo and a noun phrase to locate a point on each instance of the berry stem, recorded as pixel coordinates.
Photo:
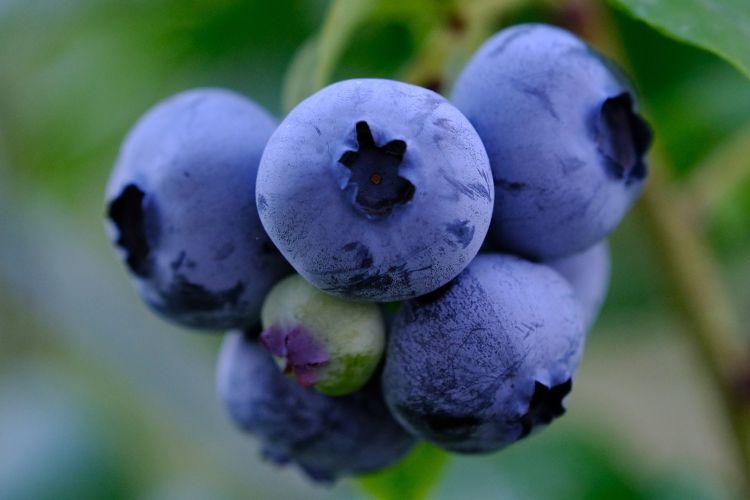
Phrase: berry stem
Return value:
(341, 22)
(446, 46)
(702, 300)
(725, 169)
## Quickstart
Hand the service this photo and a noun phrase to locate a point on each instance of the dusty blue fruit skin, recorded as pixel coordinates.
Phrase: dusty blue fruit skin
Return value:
(181, 210)
(376, 190)
(565, 143)
(327, 437)
(483, 361)
(588, 273)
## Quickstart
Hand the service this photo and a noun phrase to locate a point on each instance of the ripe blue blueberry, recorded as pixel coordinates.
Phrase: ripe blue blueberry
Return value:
(484, 360)
(376, 190)
(563, 135)
(327, 437)
(588, 274)
(181, 209)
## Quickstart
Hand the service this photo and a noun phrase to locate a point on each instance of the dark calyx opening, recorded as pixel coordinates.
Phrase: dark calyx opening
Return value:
(545, 405)
(623, 138)
(126, 212)
(377, 186)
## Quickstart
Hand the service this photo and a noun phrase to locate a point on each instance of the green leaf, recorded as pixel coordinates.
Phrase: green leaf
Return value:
(410, 479)
(719, 26)
(694, 100)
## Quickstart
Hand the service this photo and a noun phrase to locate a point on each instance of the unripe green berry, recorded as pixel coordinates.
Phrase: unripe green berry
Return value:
(331, 344)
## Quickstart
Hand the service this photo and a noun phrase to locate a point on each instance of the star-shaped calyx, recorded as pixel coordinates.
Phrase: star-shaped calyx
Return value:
(127, 214)
(375, 184)
(545, 406)
(623, 138)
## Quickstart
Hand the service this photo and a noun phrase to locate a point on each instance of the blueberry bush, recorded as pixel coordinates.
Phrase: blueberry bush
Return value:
(416, 233)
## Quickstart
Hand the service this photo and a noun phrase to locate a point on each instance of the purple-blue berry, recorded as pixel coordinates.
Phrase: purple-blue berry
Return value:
(181, 209)
(564, 137)
(376, 190)
(328, 437)
(588, 274)
(486, 359)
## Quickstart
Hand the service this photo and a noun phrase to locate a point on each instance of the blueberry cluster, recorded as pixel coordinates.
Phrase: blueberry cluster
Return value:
(393, 265)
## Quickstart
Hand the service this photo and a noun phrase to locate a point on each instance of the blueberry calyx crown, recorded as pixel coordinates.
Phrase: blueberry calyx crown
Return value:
(127, 214)
(623, 138)
(374, 182)
(304, 357)
(545, 406)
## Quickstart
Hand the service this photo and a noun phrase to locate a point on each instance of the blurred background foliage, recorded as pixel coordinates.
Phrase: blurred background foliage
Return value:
(99, 399)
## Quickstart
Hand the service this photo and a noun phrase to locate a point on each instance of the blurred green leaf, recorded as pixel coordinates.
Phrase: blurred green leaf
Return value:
(411, 479)
(720, 26)
(694, 100)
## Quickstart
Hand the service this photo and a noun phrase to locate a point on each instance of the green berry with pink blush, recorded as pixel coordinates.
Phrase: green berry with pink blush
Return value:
(325, 342)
